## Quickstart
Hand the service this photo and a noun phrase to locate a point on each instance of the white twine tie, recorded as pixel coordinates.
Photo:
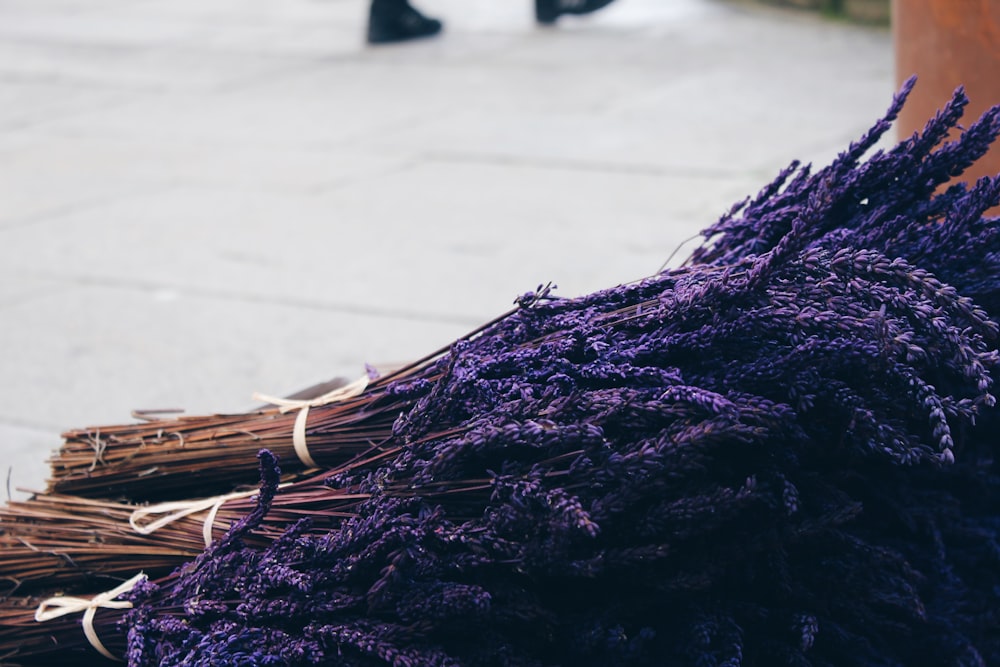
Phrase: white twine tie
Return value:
(178, 509)
(62, 605)
(299, 430)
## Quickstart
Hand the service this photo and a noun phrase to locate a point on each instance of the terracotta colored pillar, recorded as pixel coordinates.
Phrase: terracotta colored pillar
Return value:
(948, 43)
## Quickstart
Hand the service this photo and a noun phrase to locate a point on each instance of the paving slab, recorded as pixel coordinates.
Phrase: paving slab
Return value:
(24, 460)
(426, 252)
(203, 200)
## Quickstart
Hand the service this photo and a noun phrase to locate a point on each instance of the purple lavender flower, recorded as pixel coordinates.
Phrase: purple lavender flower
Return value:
(778, 454)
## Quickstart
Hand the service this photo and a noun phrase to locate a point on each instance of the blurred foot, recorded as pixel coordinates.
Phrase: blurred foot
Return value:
(547, 11)
(396, 21)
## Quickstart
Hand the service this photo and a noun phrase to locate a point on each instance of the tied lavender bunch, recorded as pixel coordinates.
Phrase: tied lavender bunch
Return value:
(770, 456)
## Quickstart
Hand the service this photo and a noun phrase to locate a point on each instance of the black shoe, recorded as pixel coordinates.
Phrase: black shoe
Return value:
(396, 21)
(547, 11)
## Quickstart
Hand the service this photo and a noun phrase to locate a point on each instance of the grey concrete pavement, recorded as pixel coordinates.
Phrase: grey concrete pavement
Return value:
(199, 200)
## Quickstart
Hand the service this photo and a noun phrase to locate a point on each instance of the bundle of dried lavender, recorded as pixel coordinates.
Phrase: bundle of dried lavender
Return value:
(768, 457)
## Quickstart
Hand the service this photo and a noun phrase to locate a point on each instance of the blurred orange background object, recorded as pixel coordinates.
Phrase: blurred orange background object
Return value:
(948, 43)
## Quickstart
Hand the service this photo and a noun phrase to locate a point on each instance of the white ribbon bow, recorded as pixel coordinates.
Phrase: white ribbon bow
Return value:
(62, 605)
(176, 510)
(299, 430)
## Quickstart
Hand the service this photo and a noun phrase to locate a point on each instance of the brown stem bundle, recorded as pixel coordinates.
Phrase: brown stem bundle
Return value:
(60, 641)
(185, 456)
(72, 543)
